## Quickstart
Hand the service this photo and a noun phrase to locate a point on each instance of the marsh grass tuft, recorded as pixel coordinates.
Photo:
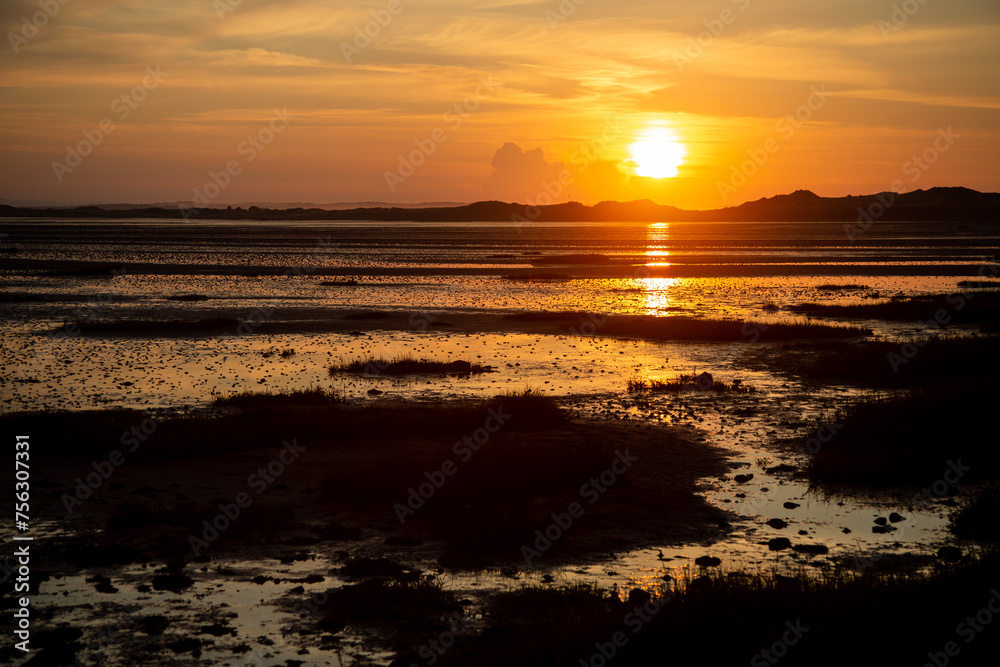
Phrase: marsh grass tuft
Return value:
(406, 364)
(686, 383)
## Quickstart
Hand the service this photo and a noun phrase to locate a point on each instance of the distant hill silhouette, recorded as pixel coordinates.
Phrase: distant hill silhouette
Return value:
(935, 204)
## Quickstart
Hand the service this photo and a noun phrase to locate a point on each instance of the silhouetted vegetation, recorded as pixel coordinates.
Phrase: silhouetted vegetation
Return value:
(312, 396)
(906, 363)
(687, 328)
(153, 326)
(940, 309)
(833, 287)
(686, 383)
(910, 439)
(717, 618)
(978, 517)
(405, 364)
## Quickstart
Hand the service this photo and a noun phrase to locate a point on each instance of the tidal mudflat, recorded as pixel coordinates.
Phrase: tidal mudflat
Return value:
(225, 469)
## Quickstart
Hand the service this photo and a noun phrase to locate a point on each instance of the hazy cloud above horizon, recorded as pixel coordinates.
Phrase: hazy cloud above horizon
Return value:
(721, 74)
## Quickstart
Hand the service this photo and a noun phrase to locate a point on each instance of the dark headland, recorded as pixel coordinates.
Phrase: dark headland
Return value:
(936, 204)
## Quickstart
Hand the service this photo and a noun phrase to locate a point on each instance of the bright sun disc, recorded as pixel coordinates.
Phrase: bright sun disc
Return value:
(657, 153)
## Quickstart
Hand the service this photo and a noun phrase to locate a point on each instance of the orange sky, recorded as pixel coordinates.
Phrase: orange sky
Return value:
(255, 100)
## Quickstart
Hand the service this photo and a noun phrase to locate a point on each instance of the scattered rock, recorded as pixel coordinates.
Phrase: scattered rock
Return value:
(638, 596)
(779, 543)
(174, 580)
(949, 553)
(743, 479)
(811, 548)
(777, 523)
(216, 630)
(846, 531)
(375, 392)
(704, 381)
(707, 561)
(190, 645)
(461, 367)
(803, 532)
(881, 520)
(789, 505)
(102, 584)
(896, 517)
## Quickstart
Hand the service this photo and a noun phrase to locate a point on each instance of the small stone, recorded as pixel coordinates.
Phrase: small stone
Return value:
(949, 553)
(790, 505)
(895, 517)
(777, 523)
(779, 543)
(707, 561)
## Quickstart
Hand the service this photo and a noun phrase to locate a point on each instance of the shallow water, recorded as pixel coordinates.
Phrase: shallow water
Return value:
(589, 375)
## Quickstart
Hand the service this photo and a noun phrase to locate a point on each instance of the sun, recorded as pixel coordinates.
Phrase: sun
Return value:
(657, 153)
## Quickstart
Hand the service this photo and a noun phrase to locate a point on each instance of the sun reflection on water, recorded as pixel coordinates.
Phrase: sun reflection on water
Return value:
(656, 294)
(657, 236)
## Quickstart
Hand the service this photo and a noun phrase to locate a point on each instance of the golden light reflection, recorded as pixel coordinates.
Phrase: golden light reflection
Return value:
(657, 238)
(656, 293)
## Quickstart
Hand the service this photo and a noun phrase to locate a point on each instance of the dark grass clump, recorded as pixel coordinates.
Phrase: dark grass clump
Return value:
(957, 308)
(726, 619)
(678, 327)
(261, 420)
(910, 439)
(188, 297)
(311, 396)
(152, 326)
(978, 517)
(372, 366)
(574, 258)
(553, 316)
(541, 276)
(687, 383)
(377, 567)
(833, 287)
(368, 315)
(908, 363)
(413, 605)
(980, 284)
